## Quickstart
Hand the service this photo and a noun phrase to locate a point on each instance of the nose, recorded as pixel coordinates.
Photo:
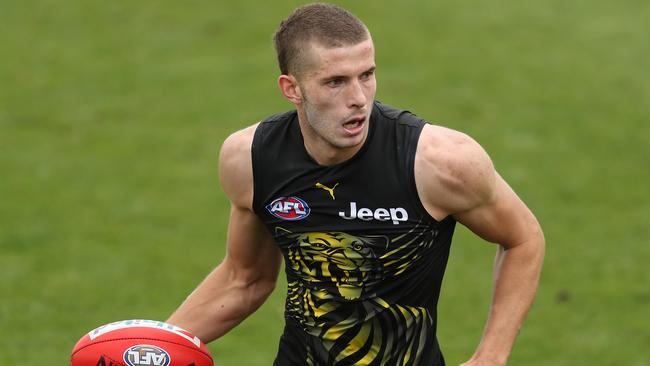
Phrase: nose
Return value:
(357, 97)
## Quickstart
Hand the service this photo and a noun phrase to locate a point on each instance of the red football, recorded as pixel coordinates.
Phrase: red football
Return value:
(139, 343)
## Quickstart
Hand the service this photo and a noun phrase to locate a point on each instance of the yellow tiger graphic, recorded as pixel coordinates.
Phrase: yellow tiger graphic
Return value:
(332, 294)
(336, 258)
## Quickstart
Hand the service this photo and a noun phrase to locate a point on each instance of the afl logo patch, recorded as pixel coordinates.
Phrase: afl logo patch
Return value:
(289, 208)
(146, 355)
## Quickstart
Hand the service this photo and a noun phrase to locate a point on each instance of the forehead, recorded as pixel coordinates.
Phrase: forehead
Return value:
(325, 61)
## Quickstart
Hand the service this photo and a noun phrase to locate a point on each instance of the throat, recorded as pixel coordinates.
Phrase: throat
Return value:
(327, 155)
(331, 143)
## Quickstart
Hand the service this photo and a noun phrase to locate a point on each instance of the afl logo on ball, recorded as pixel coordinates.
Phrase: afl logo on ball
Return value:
(289, 208)
(146, 355)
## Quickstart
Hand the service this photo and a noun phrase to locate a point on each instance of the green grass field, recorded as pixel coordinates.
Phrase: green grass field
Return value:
(112, 115)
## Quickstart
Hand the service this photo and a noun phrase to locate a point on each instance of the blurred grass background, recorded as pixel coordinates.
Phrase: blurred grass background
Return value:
(112, 115)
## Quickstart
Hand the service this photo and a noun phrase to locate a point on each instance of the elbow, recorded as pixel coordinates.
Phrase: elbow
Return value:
(254, 292)
(534, 252)
(535, 247)
(248, 286)
(534, 242)
(531, 248)
(261, 290)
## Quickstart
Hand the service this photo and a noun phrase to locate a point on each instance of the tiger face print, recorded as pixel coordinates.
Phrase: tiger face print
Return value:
(332, 294)
(339, 262)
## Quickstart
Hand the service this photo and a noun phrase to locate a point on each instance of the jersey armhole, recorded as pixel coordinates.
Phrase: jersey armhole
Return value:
(255, 156)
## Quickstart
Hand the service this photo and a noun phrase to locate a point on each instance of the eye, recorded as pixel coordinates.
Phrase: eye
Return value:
(367, 75)
(319, 244)
(334, 83)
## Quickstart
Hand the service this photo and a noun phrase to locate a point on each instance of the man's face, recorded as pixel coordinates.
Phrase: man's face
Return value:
(338, 89)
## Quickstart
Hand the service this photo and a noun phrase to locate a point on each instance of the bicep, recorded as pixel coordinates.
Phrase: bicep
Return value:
(251, 250)
(503, 219)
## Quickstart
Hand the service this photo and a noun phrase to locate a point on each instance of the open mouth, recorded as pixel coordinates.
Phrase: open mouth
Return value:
(354, 125)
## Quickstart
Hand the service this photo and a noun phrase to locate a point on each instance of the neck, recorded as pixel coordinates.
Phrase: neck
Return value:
(331, 156)
(323, 152)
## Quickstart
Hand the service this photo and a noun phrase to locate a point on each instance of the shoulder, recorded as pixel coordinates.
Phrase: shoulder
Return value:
(387, 111)
(238, 142)
(393, 114)
(235, 166)
(453, 172)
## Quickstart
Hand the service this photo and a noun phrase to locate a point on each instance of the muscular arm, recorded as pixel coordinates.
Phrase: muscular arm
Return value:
(505, 220)
(456, 177)
(248, 273)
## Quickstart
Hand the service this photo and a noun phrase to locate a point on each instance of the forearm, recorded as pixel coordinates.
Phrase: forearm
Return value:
(516, 276)
(223, 300)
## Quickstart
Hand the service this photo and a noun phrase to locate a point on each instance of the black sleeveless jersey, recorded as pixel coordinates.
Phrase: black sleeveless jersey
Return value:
(364, 260)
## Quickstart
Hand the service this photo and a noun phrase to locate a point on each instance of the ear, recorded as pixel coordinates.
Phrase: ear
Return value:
(289, 87)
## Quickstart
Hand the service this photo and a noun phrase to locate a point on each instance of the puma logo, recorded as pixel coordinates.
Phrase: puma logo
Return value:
(328, 189)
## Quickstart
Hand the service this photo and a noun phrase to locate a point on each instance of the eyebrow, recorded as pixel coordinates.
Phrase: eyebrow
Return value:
(343, 77)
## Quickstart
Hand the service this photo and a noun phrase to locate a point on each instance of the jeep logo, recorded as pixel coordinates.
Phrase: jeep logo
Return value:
(396, 215)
